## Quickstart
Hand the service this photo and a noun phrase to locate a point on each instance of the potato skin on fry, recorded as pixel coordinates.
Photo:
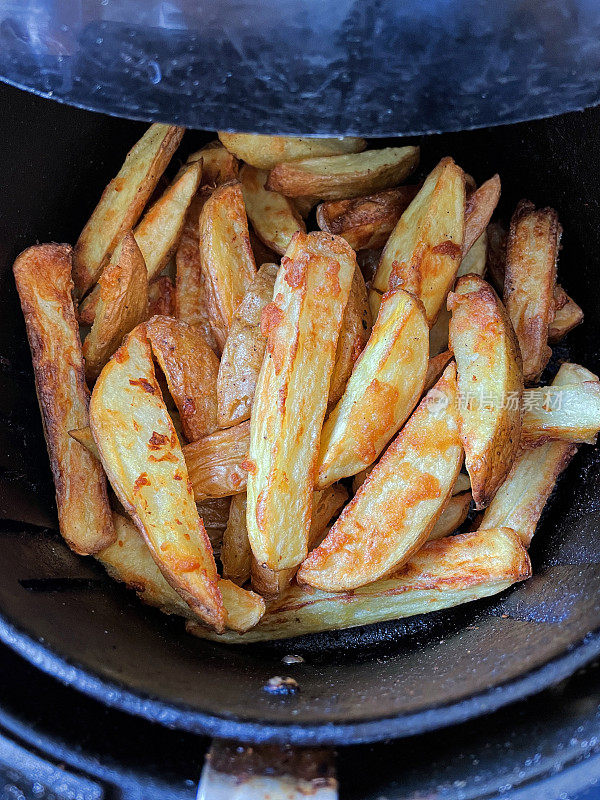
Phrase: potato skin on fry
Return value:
(302, 326)
(161, 297)
(43, 278)
(481, 204)
(191, 370)
(274, 217)
(218, 164)
(490, 384)
(264, 152)
(236, 554)
(142, 456)
(385, 385)
(217, 462)
(394, 510)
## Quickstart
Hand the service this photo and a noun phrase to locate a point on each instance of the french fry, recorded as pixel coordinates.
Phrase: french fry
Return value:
(521, 498)
(216, 463)
(481, 204)
(385, 386)
(191, 370)
(85, 438)
(123, 304)
(567, 412)
(442, 574)
(218, 164)
(530, 281)
(354, 335)
(264, 152)
(463, 484)
(236, 554)
(142, 457)
(452, 517)
(475, 260)
(122, 203)
(565, 319)
(129, 560)
(395, 509)
(343, 176)
(43, 278)
(424, 250)
(161, 297)
(225, 255)
(490, 384)
(435, 368)
(274, 217)
(302, 326)
(244, 351)
(326, 504)
(366, 222)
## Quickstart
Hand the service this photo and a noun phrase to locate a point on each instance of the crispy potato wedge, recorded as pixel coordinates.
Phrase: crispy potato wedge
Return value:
(236, 554)
(264, 152)
(444, 573)
(452, 517)
(354, 335)
(84, 437)
(530, 280)
(490, 384)
(385, 386)
(435, 368)
(244, 351)
(191, 370)
(481, 204)
(129, 560)
(393, 512)
(218, 164)
(475, 260)
(225, 255)
(567, 412)
(43, 278)
(366, 222)
(123, 304)
(326, 504)
(161, 297)
(274, 217)
(343, 176)
(565, 319)
(122, 203)
(424, 250)
(302, 326)
(142, 457)
(216, 463)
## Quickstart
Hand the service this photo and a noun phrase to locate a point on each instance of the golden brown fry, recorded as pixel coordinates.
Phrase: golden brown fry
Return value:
(424, 250)
(123, 304)
(490, 384)
(142, 457)
(84, 437)
(366, 222)
(354, 335)
(43, 278)
(216, 462)
(191, 370)
(565, 319)
(244, 351)
(122, 203)
(225, 255)
(567, 412)
(264, 152)
(474, 262)
(302, 326)
(444, 573)
(343, 176)
(479, 209)
(530, 280)
(218, 164)
(435, 368)
(393, 512)
(236, 554)
(274, 217)
(452, 517)
(161, 297)
(385, 385)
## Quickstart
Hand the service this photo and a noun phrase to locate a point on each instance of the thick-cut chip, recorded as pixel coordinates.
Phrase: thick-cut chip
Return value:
(302, 326)
(481, 204)
(218, 164)
(435, 367)
(244, 351)
(354, 334)
(366, 222)
(274, 217)
(129, 560)
(43, 278)
(326, 504)
(123, 305)
(191, 370)
(490, 384)
(122, 203)
(142, 457)
(385, 385)
(474, 262)
(565, 319)
(225, 255)
(530, 280)
(444, 573)
(341, 177)
(395, 509)
(452, 517)
(567, 412)
(264, 152)
(236, 554)
(424, 250)
(161, 297)
(216, 463)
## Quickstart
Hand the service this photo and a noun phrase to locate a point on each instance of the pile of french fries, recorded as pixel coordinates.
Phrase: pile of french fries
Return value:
(273, 445)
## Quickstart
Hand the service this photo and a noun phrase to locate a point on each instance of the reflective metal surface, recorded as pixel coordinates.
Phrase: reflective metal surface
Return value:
(372, 67)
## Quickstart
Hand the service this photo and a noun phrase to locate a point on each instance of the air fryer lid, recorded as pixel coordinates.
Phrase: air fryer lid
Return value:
(368, 67)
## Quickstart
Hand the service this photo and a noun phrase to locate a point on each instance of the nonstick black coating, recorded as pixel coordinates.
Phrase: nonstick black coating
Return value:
(386, 680)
